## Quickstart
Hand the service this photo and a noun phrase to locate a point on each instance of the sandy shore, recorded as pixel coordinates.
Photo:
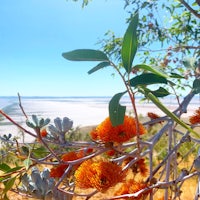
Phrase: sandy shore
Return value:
(81, 113)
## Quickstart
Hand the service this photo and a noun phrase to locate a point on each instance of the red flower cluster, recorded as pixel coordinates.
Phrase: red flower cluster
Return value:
(130, 187)
(195, 119)
(59, 170)
(106, 132)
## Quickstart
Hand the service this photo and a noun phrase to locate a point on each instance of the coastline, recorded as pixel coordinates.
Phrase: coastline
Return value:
(87, 111)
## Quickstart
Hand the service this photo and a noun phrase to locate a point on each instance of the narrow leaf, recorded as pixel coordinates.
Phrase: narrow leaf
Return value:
(169, 113)
(116, 111)
(175, 75)
(160, 92)
(99, 66)
(85, 55)
(196, 86)
(9, 184)
(15, 169)
(27, 162)
(4, 167)
(150, 69)
(130, 44)
(147, 79)
(5, 197)
(40, 152)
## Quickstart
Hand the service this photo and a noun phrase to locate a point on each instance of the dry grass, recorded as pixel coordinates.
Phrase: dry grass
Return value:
(188, 188)
(188, 193)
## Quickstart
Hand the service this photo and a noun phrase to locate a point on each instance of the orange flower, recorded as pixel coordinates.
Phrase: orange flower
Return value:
(98, 174)
(59, 170)
(106, 132)
(195, 119)
(152, 115)
(69, 156)
(130, 187)
(82, 175)
(111, 152)
(84, 152)
(43, 132)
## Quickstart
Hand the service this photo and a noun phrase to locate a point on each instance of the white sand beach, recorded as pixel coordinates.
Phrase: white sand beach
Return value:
(83, 112)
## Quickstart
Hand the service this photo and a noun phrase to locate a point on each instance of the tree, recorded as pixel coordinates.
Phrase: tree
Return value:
(168, 36)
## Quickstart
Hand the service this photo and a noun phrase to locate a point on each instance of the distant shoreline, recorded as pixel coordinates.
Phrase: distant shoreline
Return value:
(83, 111)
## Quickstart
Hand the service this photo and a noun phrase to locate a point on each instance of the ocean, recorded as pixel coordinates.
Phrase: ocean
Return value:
(83, 111)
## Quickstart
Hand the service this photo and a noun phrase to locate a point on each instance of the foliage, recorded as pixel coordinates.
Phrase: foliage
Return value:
(168, 36)
(121, 144)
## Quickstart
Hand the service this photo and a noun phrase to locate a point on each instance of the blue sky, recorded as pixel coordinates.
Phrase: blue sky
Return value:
(34, 34)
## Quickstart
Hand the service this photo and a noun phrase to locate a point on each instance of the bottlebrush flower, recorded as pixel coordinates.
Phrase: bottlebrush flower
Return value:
(111, 152)
(59, 170)
(130, 187)
(98, 174)
(106, 132)
(195, 119)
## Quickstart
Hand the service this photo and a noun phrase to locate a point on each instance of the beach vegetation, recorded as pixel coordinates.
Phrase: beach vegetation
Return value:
(123, 157)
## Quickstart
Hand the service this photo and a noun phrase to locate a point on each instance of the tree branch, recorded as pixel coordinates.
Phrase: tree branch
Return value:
(194, 12)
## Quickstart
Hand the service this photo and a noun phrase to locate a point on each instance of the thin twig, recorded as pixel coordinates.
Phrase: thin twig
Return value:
(20, 105)
(16, 124)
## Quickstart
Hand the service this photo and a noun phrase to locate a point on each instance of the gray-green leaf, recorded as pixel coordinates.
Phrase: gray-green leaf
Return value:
(85, 55)
(130, 44)
(116, 111)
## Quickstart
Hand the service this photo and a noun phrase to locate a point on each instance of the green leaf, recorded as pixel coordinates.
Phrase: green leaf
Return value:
(151, 69)
(14, 169)
(5, 197)
(130, 44)
(156, 101)
(85, 55)
(40, 152)
(25, 150)
(3, 179)
(116, 111)
(196, 86)
(9, 184)
(4, 167)
(175, 75)
(99, 66)
(27, 162)
(160, 92)
(147, 79)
